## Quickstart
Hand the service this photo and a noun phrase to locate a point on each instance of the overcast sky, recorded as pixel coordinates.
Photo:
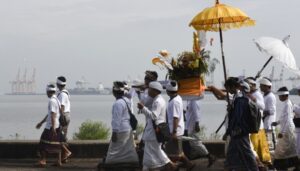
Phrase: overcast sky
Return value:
(106, 40)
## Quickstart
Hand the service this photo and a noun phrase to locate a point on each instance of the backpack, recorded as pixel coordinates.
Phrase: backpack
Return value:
(244, 118)
(254, 117)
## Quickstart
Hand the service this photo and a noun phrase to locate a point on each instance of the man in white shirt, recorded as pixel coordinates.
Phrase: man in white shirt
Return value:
(192, 125)
(51, 137)
(121, 148)
(269, 113)
(175, 121)
(64, 99)
(297, 122)
(154, 156)
(146, 100)
(285, 152)
(258, 140)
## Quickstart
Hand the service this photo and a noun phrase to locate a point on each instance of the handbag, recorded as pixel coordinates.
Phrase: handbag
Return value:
(63, 120)
(162, 131)
(133, 120)
(296, 122)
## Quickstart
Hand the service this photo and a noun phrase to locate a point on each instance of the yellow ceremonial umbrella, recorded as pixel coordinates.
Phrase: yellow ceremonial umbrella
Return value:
(221, 17)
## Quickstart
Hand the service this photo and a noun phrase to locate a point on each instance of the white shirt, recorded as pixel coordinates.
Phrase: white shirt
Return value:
(260, 103)
(175, 110)
(259, 99)
(64, 98)
(120, 121)
(192, 115)
(296, 109)
(146, 99)
(130, 95)
(157, 112)
(297, 115)
(270, 105)
(53, 106)
(286, 118)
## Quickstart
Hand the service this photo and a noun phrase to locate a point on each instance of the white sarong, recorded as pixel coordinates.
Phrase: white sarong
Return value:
(122, 151)
(286, 146)
(154, 156)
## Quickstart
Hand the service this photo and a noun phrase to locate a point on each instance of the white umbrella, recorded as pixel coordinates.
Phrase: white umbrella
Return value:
(278, 49)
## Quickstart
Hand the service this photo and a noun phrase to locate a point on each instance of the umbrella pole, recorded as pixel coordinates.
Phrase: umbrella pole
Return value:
(225, 75)
(258, 74)
(223, 58)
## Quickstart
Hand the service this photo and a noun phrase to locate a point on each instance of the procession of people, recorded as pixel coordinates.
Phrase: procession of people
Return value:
(274, 145)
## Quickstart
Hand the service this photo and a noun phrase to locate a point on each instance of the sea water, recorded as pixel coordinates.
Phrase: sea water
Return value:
(20, 114)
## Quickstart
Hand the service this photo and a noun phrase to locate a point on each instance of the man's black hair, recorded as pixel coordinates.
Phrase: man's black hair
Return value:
(232, 82)
(62, 78)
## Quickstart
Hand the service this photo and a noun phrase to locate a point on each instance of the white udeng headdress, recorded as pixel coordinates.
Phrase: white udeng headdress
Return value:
(283, 91)
(49, 88)
(279, 93)
(58, 81)
(171, 87)
(265, 81)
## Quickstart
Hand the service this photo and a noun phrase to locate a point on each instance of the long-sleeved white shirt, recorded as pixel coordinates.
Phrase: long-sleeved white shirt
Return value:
(120, 121)
(297, 110)
(286, 117)
(270, 106)
(157, 112)
(145, 98)
(259, 99)
(192, 115)
(175, 110)
(297, 115)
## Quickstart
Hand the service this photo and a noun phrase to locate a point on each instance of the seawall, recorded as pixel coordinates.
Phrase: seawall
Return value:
(81, 149)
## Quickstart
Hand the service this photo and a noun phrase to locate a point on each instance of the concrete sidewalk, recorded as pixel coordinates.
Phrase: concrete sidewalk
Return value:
(78, 164)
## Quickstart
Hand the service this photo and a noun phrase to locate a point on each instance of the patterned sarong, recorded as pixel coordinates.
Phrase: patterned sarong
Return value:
(49, 142)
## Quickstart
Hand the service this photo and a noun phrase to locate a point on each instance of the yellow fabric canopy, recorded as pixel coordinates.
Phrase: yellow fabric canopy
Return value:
(220, 15)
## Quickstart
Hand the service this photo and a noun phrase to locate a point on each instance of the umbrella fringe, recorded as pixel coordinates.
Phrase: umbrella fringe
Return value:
(224, 26)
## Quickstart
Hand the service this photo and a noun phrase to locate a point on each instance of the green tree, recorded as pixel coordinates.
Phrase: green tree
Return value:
(92, 130)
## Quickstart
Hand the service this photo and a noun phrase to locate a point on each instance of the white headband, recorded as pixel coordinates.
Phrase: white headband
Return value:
(50, 88)
(279, 93)
(170, 87)
(265, 81)
(251, 81)
(60, 82)
(119, 89)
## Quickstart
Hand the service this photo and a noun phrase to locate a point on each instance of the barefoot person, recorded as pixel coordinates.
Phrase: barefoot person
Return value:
(51, 137)
(64, 99)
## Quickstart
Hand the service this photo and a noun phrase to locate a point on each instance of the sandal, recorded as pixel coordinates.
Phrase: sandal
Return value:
(65, 159)
(41, 164)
